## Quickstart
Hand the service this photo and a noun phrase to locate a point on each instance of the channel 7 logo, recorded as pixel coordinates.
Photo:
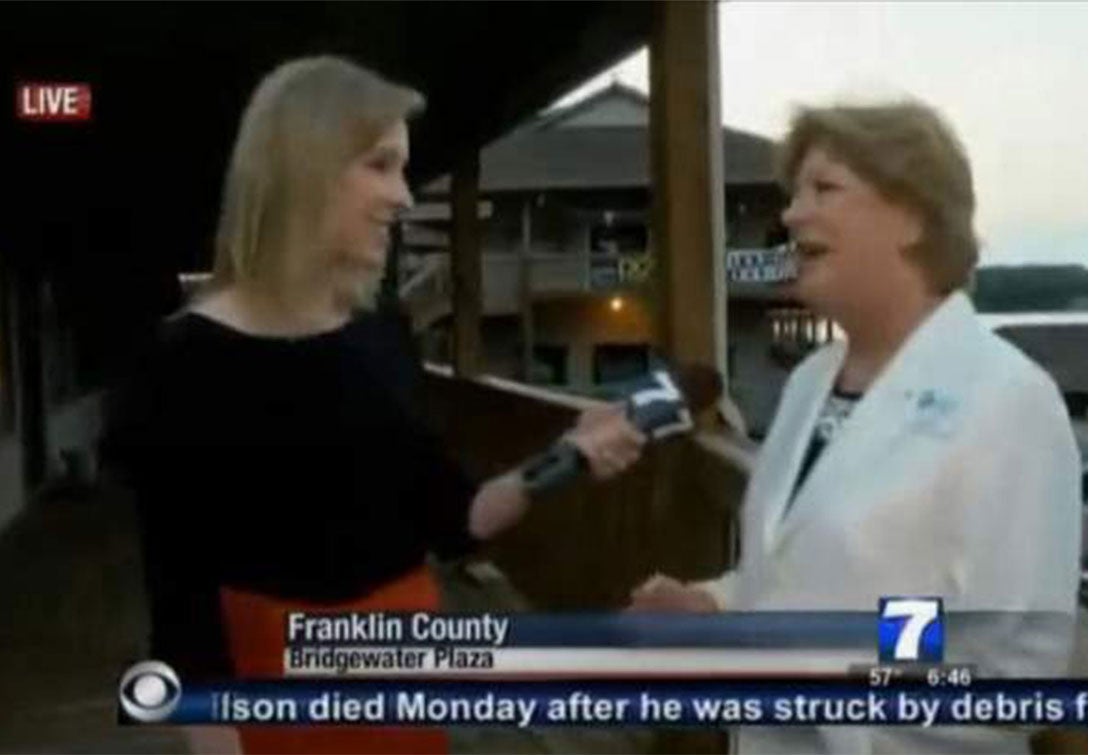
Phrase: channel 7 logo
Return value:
(910, 630)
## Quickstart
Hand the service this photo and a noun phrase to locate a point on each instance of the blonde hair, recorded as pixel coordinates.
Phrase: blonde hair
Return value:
(913, 158)
(306, 120)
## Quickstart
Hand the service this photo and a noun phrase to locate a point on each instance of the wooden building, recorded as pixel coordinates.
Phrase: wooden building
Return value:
(568, 260)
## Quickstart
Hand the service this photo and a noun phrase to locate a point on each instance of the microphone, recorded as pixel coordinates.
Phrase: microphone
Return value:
(772, 265)
(657, 404)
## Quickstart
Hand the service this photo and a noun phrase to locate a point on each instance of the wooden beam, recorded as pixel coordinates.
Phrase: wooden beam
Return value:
(527, 328)
(688, 186)
(7, 349)
(387, 297)
(30, 417)
(467, 265)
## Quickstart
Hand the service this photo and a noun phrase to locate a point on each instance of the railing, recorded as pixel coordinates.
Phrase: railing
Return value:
(796, 332)
(588, 546)
(426, 288)
(424, 275)
(192, 283)
(568, 272)
(426, 279)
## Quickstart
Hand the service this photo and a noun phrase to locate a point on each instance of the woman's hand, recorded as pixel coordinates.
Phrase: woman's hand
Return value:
(609, 442)
(665, 594)
(602, 435)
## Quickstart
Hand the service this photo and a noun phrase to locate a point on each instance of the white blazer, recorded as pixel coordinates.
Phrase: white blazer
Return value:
(957, 475)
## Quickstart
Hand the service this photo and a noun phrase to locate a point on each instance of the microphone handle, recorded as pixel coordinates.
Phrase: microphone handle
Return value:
(563, 462)
(553, 469)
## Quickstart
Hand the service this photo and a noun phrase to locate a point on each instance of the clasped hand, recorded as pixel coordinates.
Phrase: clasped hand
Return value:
(608, 441)
(664, 594)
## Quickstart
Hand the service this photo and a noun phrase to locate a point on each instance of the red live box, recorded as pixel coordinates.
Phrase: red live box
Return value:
(53, 102)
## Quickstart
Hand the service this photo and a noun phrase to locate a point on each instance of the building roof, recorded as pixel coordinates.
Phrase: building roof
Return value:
(180, 74)
(598, 143)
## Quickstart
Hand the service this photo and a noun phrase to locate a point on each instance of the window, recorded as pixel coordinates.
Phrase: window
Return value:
(618, 238)
(549, 364)
(614, 363)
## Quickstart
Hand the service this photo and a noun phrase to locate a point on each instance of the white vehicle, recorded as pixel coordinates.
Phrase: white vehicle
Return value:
(1058, 342)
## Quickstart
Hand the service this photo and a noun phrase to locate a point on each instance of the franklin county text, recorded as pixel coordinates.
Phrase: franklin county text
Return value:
(386, 629)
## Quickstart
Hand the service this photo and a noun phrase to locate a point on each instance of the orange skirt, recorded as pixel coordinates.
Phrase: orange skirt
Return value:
(255, 629)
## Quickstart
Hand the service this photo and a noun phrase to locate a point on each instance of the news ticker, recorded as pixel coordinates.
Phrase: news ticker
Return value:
(646, 702)
(898, 647)
(454, 645)
(904, 630)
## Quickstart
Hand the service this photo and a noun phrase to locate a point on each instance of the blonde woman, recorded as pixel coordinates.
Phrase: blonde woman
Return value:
(922, 456)
(276, 464)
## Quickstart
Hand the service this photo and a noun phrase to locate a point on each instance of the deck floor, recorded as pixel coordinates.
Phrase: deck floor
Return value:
(73, 618)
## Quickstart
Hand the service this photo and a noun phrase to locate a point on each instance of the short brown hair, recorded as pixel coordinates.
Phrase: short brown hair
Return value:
(306, 121)
(913, 158)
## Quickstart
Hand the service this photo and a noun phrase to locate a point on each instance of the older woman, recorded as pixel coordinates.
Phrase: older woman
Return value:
(921, 456)
(277, 463)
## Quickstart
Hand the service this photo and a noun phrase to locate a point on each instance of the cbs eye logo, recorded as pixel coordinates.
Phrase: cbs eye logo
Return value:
(149, 691)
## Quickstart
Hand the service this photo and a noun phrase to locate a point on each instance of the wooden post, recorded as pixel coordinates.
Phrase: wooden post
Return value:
(467, 265)
(527, 330)
(688, 187)
(7, 350)
(387, 298)
(587, 258)
(30, 391)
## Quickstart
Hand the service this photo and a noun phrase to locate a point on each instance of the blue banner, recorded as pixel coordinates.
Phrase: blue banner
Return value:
(615, 703)
(755, 629)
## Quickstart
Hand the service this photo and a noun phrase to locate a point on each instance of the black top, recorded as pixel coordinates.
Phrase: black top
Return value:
(294, 467)
(834, 413)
